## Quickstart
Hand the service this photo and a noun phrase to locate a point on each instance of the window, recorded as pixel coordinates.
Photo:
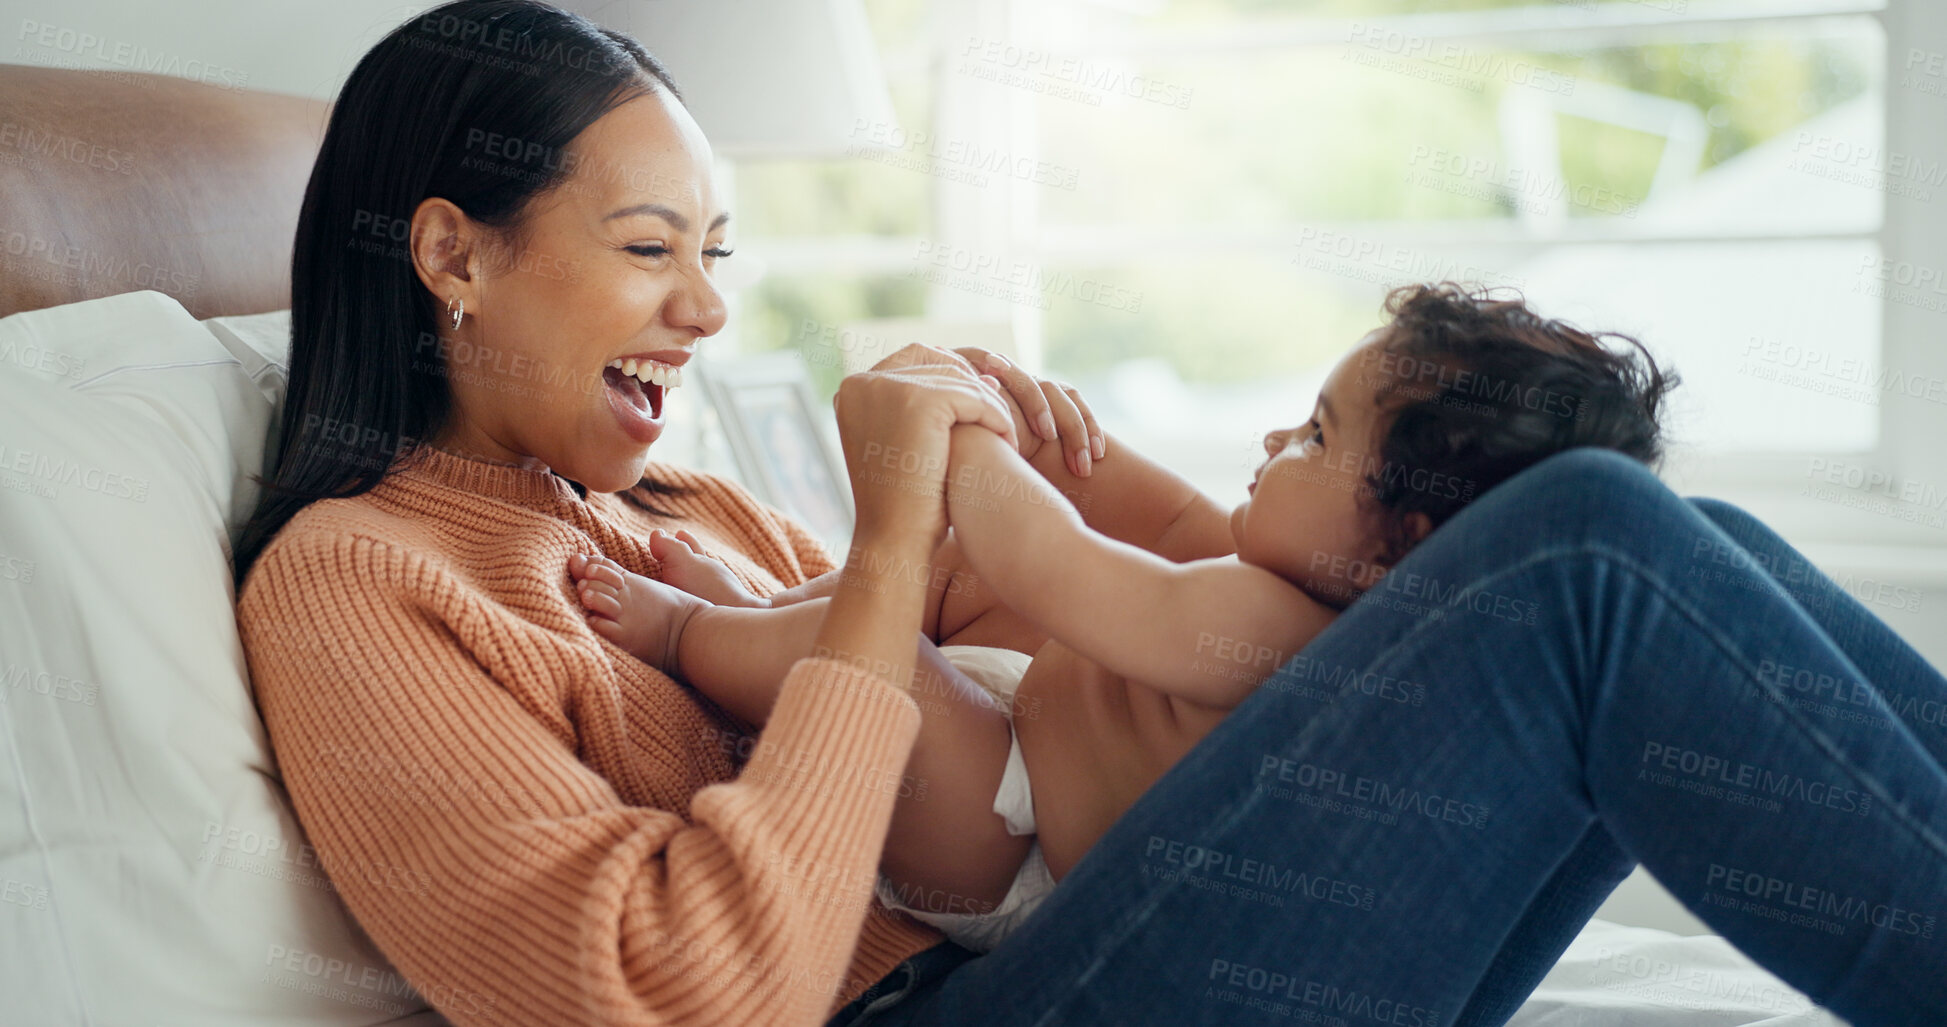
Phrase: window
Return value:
(1191, 208)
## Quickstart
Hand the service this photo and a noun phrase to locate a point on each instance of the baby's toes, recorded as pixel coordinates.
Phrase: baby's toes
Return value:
(605, 571)
(606, 628)
(599, 598)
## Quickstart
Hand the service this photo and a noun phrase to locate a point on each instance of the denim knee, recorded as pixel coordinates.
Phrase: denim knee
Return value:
(1724, 515)
(1597, 490)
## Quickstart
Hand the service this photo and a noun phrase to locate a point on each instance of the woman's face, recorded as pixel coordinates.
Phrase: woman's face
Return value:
(613, 264)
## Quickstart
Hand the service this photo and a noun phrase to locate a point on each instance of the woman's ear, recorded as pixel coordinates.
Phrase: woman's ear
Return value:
(445, 250)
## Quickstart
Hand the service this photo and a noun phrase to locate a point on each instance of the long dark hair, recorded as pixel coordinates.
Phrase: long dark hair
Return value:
(1480, 388)
(475, 102)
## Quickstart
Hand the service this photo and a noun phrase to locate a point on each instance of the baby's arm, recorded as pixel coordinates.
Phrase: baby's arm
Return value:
(1173, 626)
(1131, 498)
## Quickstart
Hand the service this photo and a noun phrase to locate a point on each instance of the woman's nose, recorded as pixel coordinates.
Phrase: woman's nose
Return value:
(697, 304)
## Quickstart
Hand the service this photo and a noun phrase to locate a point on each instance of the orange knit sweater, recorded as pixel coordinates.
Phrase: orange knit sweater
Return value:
(536, 827)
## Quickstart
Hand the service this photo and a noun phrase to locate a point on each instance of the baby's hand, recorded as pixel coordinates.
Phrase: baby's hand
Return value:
(643, 616)
(688, 567)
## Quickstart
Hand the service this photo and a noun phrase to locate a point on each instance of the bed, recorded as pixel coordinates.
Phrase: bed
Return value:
(151, 870)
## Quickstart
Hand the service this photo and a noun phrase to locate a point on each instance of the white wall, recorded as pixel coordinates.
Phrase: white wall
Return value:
(304, 47)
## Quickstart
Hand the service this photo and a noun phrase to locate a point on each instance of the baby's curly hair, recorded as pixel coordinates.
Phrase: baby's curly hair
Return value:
(1480, 387)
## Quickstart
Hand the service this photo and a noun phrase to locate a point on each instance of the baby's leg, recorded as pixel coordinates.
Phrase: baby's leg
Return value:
(946, 847)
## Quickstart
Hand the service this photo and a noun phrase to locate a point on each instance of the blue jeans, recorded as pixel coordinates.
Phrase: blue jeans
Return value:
(1411, 820)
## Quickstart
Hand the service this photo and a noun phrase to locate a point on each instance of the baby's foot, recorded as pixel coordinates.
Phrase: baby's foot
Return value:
(642, 615)
(686, 566)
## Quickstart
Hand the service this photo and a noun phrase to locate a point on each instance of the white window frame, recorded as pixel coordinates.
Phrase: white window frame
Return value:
(1001, 219)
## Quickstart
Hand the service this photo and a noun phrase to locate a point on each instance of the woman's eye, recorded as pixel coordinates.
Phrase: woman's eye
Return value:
(717, 252)
(649, 250)
(1315, 436)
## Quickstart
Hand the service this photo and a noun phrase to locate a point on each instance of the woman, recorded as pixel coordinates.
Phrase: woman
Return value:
(507, 202)
(593, 843)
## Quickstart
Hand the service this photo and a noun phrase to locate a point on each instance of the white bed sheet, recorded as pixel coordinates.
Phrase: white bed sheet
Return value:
(1616, 976)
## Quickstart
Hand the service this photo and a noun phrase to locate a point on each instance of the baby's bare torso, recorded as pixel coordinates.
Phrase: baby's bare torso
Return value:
(1093, 742)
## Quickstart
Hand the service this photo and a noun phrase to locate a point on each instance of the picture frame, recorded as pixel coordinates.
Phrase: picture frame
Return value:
(784, 451)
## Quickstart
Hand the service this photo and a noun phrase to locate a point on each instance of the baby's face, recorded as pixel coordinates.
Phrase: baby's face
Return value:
(1304, 520)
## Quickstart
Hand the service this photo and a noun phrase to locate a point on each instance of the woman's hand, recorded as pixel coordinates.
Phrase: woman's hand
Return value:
(894, 422)
(1054, 411)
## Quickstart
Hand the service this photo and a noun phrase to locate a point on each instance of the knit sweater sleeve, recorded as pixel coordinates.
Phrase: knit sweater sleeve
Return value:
(503, 876)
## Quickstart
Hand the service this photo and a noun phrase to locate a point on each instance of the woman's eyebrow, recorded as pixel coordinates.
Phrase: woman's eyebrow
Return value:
(1325, 409)
(676, 220)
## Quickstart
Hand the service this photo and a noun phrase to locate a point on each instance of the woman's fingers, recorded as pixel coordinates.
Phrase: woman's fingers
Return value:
(1098, 440)
(1024, 387)
(1075, 442)
(1055, 411)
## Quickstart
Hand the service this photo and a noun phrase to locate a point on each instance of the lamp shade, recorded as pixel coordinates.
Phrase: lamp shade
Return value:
(764, 78)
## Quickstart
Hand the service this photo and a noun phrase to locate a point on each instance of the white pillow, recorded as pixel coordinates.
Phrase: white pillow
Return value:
(151, 871)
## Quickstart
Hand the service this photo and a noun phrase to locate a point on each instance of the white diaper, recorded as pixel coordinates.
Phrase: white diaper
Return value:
(999, 672)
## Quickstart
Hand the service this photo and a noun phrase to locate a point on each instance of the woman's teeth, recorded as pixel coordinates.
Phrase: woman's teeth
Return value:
(650, 372)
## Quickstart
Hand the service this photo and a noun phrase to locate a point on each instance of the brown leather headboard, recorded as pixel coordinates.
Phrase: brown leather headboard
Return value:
(112, 182)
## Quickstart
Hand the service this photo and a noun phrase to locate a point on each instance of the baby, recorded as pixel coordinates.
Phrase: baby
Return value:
(1154, 615)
